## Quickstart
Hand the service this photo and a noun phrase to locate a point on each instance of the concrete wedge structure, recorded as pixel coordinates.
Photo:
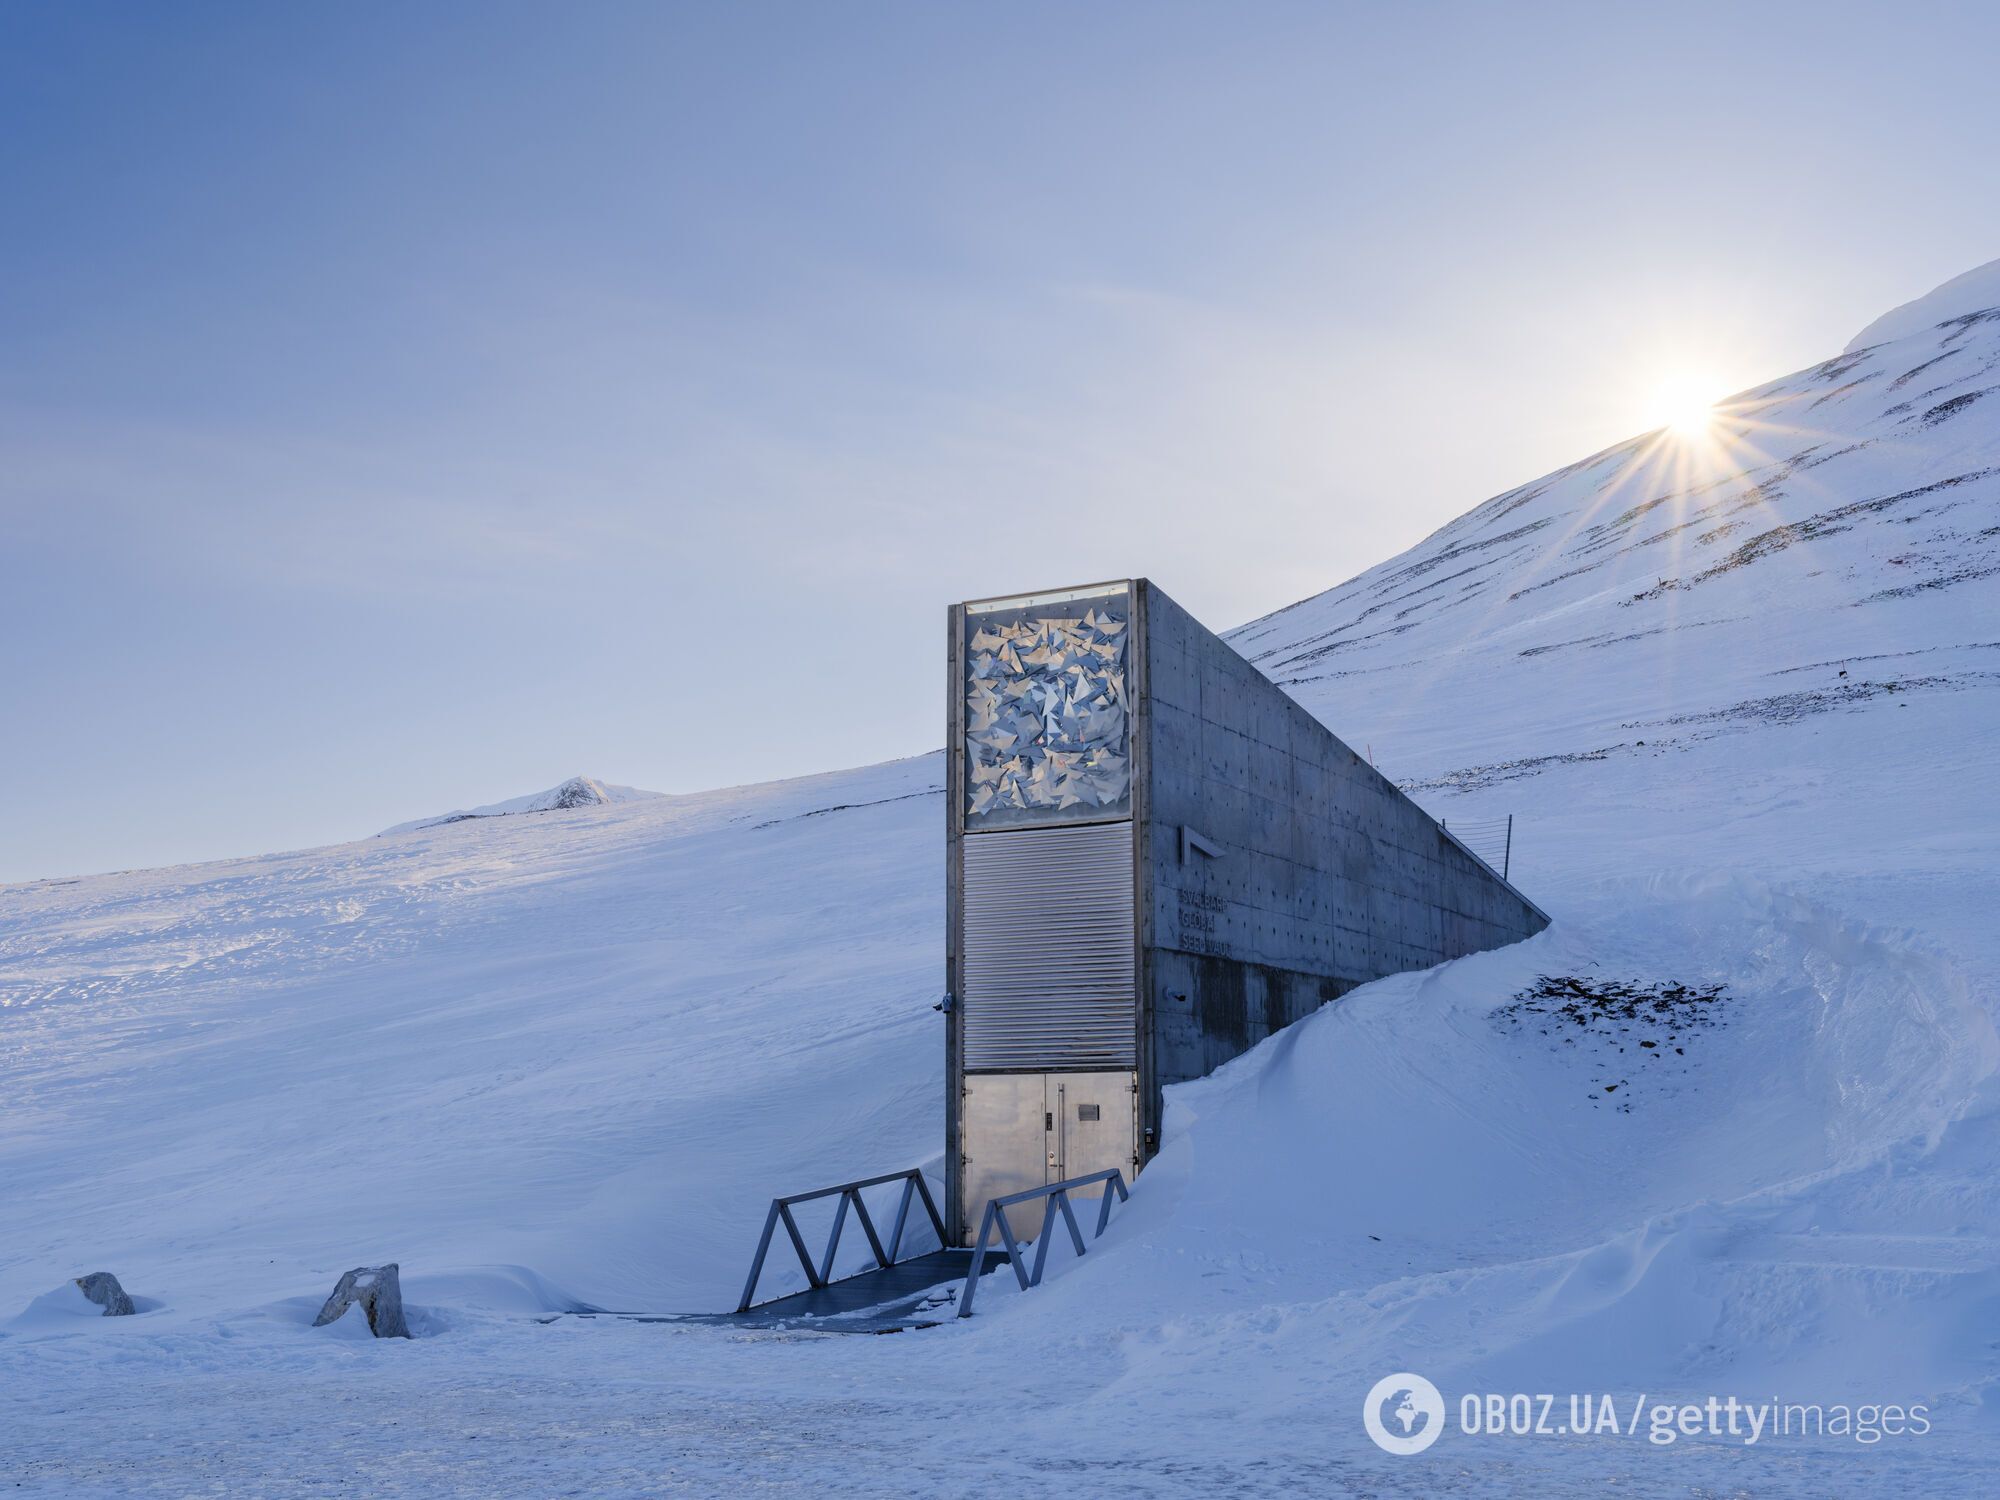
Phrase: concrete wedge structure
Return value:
(1156, 859)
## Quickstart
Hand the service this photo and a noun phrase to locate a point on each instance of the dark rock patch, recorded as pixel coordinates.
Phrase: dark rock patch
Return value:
(379, 1290)
(1614, 1024)
(102, 1288)
(1944, 411)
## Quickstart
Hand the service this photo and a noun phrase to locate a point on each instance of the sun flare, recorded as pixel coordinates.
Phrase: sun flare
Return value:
(1684, 405)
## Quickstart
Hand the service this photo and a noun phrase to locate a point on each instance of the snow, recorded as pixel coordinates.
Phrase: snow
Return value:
(1741, 708)
(1978, 290)
(578, 791)
(58, 1310)
(54, 1310)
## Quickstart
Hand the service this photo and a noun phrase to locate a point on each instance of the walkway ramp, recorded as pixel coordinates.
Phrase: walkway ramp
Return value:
(900, 1290)
(916, 1291)
(920, 1292)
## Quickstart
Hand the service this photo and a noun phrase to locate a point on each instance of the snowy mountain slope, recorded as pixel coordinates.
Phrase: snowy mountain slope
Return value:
(1832, 551)
(578, 791)
(493, 1041)
(1974, 292)
(543, 1059)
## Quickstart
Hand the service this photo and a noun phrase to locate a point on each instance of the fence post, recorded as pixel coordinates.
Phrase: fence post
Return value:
(757, 1260)
(1507, 859)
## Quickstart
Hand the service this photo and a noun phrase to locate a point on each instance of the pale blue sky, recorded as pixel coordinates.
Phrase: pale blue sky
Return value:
(408, 406)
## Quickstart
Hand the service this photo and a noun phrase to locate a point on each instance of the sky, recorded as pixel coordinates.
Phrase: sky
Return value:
(409, 407)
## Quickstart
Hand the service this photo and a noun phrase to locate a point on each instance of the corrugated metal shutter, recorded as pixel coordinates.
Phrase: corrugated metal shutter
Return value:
(1049, 948)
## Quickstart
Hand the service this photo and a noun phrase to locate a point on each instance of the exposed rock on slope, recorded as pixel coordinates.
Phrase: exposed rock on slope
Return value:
(578, 791)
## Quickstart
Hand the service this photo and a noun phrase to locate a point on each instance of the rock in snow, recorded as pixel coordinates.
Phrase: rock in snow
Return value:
(379, 1290)
(102, 1288)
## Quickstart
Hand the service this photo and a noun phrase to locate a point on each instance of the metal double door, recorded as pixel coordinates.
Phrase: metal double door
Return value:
(1025, 1130)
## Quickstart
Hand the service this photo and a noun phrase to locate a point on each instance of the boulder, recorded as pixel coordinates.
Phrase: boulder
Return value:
(379, 1290)
(102, 1288)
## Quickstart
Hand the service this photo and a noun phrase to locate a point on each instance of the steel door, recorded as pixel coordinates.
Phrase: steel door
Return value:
(1093, 1124)
(1026, 1130)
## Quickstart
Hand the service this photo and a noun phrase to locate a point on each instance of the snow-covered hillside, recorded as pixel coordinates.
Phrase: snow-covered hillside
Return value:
(1832, 551)
(1741, 704)
(578, 791)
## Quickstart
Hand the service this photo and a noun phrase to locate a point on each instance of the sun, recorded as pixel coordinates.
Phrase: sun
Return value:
(1684, 404)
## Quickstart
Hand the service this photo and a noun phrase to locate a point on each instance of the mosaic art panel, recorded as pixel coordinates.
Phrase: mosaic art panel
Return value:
(1047, 724)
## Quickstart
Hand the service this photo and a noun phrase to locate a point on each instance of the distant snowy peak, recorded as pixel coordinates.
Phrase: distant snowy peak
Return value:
(578, 791)
(1977, 291)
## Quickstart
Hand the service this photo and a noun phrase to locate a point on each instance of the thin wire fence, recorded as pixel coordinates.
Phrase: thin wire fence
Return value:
(1492, 839)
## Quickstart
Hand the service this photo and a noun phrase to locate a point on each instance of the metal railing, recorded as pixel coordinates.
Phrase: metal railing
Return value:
(1492, 840)
(1058, 1195)
(819, 1275)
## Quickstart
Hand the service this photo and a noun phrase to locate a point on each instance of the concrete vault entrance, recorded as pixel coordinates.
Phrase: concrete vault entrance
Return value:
(1155, 860)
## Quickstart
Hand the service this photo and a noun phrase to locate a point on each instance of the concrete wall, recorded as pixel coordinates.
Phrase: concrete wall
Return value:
(1328, 876)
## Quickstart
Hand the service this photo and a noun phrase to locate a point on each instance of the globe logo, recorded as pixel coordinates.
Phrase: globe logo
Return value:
(1404, 1414)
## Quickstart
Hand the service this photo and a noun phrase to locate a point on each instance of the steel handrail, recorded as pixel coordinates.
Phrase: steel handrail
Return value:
(820, 1275)
(1489, 832)
(1058, 1195)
